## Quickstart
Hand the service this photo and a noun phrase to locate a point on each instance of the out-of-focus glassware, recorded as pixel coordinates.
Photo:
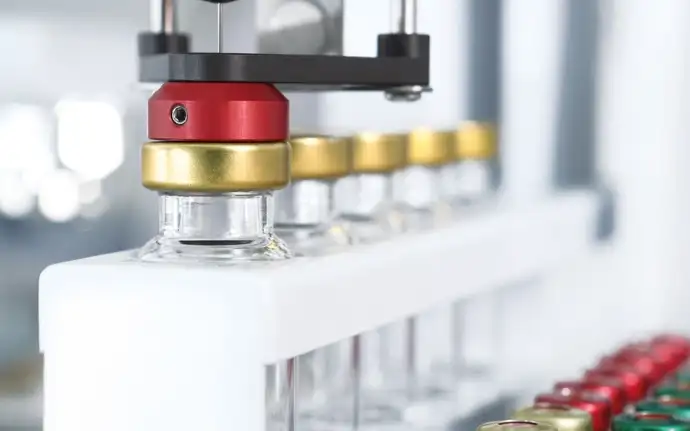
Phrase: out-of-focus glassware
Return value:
(369, 206)
(429, 154)
(470, 180)
(374, 215)
(307, 219)
(431, 373)
(306, 214)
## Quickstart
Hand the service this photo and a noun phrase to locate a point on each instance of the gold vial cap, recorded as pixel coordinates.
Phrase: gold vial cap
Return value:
(516, 425)
(476, 140)
(215, 167)
(430, 148)
(378, 153)
(320, 157)
(563, 418)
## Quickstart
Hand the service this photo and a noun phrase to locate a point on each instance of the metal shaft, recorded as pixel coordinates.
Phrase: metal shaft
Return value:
(220, 27)
(163, 16)
(457, 340)
(404, 15)
(356, 361)
(412, 373)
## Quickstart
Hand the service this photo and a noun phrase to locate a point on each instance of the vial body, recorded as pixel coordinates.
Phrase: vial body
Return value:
(215, 229)
(307, 218)
(370, 209)
(419, 189)
(470, 182)
(328, 391)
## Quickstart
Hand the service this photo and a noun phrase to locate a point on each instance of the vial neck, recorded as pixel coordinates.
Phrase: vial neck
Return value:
(421, 186)
(472, 180)
(368, 194)
(306, 204)
(231, 218)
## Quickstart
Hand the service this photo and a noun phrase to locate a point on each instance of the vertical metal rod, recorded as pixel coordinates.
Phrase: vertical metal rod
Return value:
(292, 378)
(220, 27)
(356, 361)
(404, 14)
(411, 356)
(457, 332)
(163, 17)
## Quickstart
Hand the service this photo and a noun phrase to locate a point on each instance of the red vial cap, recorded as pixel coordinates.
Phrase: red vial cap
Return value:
(609, 388)
(218, 112)
(633, 383)
(667, 357)
(668, 348)
(652, 370)
(676, 340)
(598, 407)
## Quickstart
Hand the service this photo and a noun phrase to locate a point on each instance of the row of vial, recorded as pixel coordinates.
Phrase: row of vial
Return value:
(643, 386)
(392, 184)
(237, 203)
(342, 191)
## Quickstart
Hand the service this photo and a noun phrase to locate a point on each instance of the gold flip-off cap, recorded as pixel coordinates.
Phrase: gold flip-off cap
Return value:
(516, 425)
(563, 418)
(476, 140)
(378, 153)
(430, 148)
(320, 157)
(215, 167)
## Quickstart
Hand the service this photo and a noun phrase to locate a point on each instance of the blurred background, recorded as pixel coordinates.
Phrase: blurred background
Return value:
(587, 94)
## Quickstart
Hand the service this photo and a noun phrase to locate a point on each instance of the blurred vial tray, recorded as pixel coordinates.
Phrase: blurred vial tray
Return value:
(283, 309)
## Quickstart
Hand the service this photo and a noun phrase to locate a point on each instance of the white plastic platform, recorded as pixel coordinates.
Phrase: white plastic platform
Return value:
(127, 343)
(306, 303)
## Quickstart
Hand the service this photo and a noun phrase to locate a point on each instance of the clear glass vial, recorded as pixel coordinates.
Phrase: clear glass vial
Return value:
(327, 388)
(306, 218)
(216, 201)
(429, 154)
(306, 215)
(370, 207)
(471, 180)
(431, 380)
(216, 208)
(378, 356)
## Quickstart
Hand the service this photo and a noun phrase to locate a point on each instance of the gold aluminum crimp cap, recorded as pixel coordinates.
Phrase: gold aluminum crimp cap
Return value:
(378, 153)
(476, 140)
(563, 418)
(430, 148)
(215, 167)
(320, 157)
(516, 425)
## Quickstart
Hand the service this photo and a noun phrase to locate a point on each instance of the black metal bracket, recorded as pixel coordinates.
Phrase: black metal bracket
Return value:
(402, 61)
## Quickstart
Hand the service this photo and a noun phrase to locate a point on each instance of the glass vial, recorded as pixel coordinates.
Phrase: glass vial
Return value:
(207, 217)
(370, 207)
(328, 390)
(374, 215)
(421, 186)
(306, 218)
(431, 380)
(306, 214)
(281, 384)
(216, 208)
(471, 180)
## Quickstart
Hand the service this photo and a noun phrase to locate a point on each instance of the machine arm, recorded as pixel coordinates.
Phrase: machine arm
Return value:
(401, 67)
